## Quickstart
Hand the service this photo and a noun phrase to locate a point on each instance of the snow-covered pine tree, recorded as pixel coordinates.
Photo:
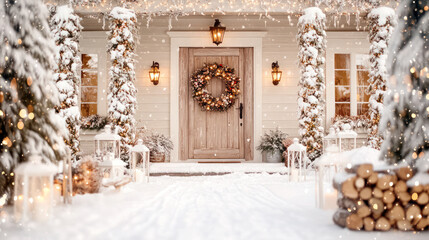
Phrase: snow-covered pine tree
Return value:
(381, 22)
(312, 43)
(66, 28)
(28, 122)
(406, 104)
(122, 95)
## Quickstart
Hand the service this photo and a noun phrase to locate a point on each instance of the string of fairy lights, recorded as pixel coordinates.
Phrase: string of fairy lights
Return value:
(265, 9)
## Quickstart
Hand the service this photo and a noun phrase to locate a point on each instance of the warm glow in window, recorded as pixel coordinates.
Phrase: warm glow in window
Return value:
(89, 78)
(342, 84)
(362, 76)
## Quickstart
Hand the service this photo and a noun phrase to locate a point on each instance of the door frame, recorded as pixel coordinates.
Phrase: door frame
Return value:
(202, 39)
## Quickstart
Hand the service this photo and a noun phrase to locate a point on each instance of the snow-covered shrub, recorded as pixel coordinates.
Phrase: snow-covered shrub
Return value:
(66, 28)
(381, 22)
(94, 122)
(122, 92)
(86, 176)
(404, 120)
(28, 122)
(158, 143)
(312, 44)
(355, 122)
(272, 141)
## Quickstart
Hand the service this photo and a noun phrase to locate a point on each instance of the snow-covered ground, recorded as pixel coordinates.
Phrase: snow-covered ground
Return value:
(235, 206)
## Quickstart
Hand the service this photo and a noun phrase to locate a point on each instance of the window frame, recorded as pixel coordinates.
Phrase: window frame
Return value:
(95, 42)
(353, 43)
(96, 70)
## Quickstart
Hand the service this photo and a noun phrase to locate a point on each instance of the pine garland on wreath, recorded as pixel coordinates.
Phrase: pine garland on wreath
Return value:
(312, 45)
(205, 99)
(381, 22)
(28, 122)
(66, 28)
(122, 92)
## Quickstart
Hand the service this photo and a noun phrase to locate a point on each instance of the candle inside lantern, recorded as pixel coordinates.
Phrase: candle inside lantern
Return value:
(330, 201)
(57, 192)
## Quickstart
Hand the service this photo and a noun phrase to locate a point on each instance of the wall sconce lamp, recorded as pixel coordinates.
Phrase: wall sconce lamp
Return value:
(217, 32)
(154, 73)
(276, 73)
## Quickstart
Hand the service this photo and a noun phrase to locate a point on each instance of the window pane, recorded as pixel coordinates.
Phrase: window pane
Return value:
(88, 109)
(342, 77)
(361, 94)
(362, 78)
(89, 78)
(362, 61)
(342, 94)
(89, 83)
(362, 108)
(342, 109)
(89, 61)
(342, 61)
(89, 94)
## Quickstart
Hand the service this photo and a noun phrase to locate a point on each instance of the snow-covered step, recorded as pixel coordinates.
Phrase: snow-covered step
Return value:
(195, 169)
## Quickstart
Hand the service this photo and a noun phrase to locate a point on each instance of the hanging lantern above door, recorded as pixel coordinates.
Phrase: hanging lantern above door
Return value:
(217, 32)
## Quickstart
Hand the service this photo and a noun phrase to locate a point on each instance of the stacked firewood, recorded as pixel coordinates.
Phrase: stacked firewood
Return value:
(380, 200)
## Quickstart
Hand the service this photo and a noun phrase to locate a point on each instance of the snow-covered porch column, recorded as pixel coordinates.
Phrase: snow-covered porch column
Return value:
(312, 44)
(122, 92)
(66, 29)
(381, 23)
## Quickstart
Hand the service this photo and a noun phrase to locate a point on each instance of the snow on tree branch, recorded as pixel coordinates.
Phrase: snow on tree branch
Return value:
(381, 23)
(312, 44)
(28, 122)
(122, 95)
(66, 28)
(406, 103)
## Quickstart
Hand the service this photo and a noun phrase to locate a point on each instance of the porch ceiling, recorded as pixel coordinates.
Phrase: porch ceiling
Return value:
(206, 7)
(95, 22)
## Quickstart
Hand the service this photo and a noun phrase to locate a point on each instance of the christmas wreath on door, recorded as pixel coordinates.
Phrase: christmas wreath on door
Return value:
(205, 99)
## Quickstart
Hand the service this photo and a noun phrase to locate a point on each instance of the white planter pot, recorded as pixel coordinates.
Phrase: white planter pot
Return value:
(274, 157)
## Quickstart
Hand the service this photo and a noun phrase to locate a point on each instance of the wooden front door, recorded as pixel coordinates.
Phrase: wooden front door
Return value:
(216, 135)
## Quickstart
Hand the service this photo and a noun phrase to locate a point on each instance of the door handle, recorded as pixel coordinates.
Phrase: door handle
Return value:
(241, 110)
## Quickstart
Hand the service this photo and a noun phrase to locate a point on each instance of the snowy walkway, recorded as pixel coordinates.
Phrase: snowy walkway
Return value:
(236, 206)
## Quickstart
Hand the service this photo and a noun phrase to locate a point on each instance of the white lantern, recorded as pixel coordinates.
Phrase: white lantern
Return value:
(326, 195)
(108, 142)
(112, 167)
(67, 180)
(34, 190)
(140, 152)
(330, 140)
(296, 153)
(347, 138)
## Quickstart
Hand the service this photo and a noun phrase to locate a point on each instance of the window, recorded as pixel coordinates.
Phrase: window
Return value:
(362, 76)
(89, 84)
(342, 84)
(351, 82)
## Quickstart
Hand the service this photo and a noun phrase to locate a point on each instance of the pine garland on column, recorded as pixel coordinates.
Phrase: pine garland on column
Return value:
(28, 122)
(312, 44)
(122, 95)
(405, 120)
(66, 29)
(381, 22)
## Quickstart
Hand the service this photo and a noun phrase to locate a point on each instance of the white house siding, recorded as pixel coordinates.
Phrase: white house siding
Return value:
(279, 103)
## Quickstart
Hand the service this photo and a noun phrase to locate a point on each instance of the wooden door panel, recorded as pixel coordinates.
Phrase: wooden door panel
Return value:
(214, 130)
(216, 135)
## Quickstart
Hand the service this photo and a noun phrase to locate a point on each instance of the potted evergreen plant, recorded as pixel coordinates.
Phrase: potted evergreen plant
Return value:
(271, 144)
(159, 145)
